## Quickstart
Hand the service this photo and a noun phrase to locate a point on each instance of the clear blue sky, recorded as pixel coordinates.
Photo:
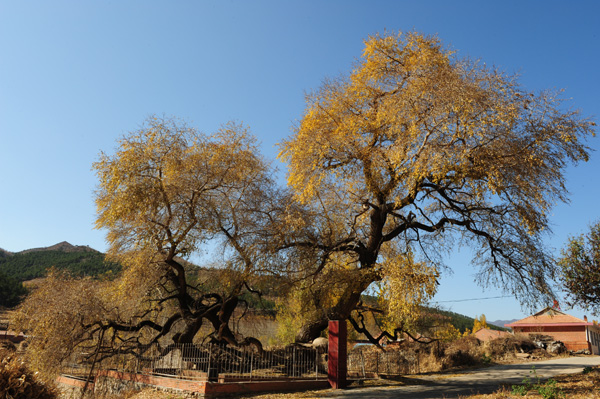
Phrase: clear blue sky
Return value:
(76, 75)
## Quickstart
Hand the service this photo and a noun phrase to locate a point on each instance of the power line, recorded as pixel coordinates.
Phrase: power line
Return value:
(475, 299)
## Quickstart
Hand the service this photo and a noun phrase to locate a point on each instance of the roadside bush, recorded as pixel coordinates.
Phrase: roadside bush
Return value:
(500, 348)
(463, 352)
(17, 382)
(410, 357)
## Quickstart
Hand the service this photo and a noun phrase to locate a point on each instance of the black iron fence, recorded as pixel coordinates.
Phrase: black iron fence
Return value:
(210, 361)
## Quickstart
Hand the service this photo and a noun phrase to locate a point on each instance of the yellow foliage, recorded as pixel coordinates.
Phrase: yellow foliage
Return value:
(479, 323)
(157, 191)
(289, 319)
(55, 314)
(419, 146)
(447, 333)
(411, 111)
(406, 285)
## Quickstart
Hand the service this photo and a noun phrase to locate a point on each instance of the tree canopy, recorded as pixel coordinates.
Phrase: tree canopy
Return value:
(416, 150)
(167, 193)
(580, 269)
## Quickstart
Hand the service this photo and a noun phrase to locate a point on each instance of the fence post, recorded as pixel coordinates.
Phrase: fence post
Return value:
(316, 363)
(210, 348)
(362, 359)
(294, 353)
(251, 365)
(181, 365)
(337, 358)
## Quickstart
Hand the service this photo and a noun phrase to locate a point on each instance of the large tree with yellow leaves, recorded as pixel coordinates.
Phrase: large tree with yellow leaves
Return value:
(417, 150)
(167, 192)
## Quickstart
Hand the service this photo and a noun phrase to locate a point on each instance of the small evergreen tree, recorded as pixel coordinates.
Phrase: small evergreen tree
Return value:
(11, 291)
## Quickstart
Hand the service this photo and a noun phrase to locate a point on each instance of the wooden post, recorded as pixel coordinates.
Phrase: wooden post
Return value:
(337, 356)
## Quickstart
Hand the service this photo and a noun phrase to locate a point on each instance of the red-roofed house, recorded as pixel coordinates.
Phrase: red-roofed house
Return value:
(575, 333)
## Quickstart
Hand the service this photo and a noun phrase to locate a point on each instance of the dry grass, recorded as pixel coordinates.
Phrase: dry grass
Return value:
(460, 354)
(150, 393)
(466, 352)
(574, 386)
(463, 353)
(584, 385)
(18, 382)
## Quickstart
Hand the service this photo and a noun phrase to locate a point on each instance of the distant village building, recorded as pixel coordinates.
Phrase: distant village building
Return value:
(575, 333)
(486, 334)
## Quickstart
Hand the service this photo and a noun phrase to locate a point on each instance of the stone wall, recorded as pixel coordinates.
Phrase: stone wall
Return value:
(109, 383)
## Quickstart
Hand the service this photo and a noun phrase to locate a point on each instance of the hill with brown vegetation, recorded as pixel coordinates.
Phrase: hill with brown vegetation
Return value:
(61, 247)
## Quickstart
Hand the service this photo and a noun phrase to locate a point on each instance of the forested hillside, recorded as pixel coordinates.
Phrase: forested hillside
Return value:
(463, 322)
(432, 315)
(4, 254)
(79, 261)
(11, 291)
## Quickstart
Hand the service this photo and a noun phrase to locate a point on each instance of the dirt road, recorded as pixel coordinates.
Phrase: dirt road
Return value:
(479, 381)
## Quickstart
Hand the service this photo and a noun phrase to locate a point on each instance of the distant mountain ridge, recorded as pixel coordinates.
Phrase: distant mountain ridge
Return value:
(501, 323)
(79, 260)
(62, 247)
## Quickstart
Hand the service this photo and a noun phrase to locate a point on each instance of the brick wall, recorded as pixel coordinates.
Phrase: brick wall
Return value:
(574, 337)
(70, 388)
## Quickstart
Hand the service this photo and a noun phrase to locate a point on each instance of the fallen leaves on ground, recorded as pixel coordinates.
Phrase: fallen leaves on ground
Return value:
(585, 385)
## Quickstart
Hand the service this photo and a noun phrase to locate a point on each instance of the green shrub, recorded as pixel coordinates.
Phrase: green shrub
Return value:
(587, 369)
(549, 390)
(520, 390)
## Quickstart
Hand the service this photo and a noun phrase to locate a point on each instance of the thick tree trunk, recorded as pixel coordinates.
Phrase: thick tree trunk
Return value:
(365, 276)
(312, 329)
(192, 326)
(218, 314)
(219, 319)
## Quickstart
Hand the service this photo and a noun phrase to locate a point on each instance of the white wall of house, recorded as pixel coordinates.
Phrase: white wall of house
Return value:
(593, 337)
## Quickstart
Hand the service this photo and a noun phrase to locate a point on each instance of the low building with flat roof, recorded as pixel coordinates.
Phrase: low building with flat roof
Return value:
(575, 333)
